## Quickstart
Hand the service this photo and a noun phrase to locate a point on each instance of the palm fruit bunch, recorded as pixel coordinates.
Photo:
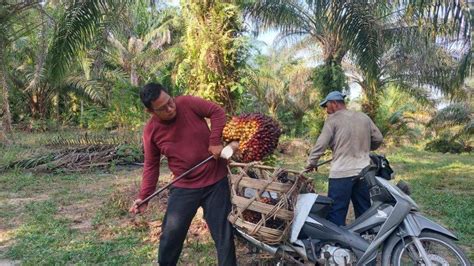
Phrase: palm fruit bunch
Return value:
(256, 133)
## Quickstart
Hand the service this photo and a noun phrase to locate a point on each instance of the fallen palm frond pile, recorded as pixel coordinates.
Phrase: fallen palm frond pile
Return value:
(81, 158)
(103, 138)
(83, 152)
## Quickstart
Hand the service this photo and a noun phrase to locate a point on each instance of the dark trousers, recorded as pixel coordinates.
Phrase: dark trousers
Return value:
(182, 206)
(343, 190)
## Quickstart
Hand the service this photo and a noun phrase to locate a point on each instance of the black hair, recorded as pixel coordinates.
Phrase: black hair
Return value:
(150, 92)
(340, 101)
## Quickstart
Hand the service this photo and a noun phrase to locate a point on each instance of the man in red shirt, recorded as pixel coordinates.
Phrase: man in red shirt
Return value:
(178, 130)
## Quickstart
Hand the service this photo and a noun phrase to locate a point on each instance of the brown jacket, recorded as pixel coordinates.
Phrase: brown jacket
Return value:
(351, 136)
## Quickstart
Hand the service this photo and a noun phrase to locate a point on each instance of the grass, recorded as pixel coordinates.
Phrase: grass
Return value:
(443, 185)
(45, 234)
(82, 219)
(47, 239)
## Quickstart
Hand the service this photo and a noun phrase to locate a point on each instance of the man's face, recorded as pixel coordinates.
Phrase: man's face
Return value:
(164, 107)
(330, 107)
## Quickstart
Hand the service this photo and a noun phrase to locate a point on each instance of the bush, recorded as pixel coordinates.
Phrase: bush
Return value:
(29, 124)
(444, 145)
(124, 110)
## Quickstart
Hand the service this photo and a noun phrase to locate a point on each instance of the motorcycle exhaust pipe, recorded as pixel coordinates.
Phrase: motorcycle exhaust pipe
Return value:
(257, 243)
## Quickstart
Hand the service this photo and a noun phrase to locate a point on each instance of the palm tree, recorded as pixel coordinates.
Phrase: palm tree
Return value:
(336, 26)
(401, 116)
(357, 28)
(270, 80)
(457, 117)
(453, 127)
(6, 123)
(302, 97)
(11, 12)
(80, 25)
(15, 23)
(416, 66)
(28, 69)
(283, 84)
(213, 51)
(139, 44)
(85, 20)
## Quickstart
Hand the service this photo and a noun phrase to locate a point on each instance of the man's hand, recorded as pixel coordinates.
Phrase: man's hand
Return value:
(310, 168)
(135, 209)
(216, 150)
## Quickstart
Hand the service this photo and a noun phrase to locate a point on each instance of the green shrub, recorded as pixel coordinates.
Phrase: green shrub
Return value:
(124, 110)
(444, 145)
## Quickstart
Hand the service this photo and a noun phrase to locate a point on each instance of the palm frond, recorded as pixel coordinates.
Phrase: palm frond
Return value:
(81, 22)
(461, 73)
(361, 31)
(160, 35)
(115, 74)
(287, 16)
(422, 95)
(452, 115)
(88, 89)
(430, 65)
(468, 129)
(116, 43)
(440, 17)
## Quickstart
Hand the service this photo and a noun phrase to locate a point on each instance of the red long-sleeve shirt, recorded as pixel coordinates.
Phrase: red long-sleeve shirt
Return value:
(185, 142)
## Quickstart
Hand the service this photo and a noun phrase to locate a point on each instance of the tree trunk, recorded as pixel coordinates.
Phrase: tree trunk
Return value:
(330, 76)
(41, 56)
(212, 48)
(133, 75)
(333, 50)
(370, 100)
(7, 120)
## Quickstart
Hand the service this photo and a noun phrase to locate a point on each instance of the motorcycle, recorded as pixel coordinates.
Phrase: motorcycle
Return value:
(391, 232)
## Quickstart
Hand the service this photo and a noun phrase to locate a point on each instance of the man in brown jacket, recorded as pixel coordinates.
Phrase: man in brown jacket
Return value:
(351, 136)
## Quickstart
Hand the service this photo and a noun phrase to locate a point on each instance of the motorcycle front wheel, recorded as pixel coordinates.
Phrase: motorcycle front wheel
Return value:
(440, 250)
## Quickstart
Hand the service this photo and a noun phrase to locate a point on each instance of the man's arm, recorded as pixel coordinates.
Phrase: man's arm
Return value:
(151, 168)
(321, 144)
(208, 109)
(376, 137)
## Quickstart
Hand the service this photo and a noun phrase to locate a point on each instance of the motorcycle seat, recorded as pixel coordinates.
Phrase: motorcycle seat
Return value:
(321, 206)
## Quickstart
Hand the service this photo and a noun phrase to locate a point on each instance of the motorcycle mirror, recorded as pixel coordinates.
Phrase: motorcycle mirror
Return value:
(403, 186)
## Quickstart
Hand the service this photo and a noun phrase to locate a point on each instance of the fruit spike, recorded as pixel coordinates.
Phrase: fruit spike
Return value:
(257, 134)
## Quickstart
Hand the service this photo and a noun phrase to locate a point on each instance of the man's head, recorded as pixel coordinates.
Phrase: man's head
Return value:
(158, 102)
(333, 102)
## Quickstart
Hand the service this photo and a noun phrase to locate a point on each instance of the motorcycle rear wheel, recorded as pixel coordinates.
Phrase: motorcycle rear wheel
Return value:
(440, 249)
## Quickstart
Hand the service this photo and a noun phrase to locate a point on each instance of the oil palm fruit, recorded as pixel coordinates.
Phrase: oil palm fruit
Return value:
(256, 133)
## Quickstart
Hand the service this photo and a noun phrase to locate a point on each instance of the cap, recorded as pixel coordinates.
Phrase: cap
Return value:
(333, 96)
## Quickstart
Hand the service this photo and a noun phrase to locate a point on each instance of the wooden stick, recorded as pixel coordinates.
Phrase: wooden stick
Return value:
(263, 167)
